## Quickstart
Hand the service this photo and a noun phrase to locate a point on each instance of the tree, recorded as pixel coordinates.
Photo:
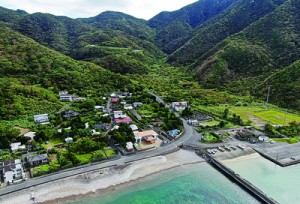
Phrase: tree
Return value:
(61, 159)
(89, 104)
(187, 112)
(222, 124)
(226, 113)
(7, 135)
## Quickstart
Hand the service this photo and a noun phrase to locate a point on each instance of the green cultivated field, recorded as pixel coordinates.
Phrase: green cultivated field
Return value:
(256, 114)
(260, 115)
(210, 123)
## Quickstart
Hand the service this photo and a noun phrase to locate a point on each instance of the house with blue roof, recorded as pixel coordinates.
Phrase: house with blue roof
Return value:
(174, 133)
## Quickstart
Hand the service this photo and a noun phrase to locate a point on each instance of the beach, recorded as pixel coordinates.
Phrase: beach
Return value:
(101, 179)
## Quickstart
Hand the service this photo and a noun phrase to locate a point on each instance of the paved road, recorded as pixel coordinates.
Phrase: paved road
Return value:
(189, 133)
(83, 169)
(189, 130)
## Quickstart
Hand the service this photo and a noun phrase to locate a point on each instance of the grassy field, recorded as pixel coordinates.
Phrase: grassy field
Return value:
(288, 140)
(52, 143)
(42, 168)
(84, 158)
(109, 152)
(210, 123)
(255, 113)
(261, 115)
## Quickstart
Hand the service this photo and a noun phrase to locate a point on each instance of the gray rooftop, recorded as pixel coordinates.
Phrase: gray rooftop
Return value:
(38, 158)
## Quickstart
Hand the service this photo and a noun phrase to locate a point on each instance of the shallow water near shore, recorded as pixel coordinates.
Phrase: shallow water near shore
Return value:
(197, 183)
(280, 183)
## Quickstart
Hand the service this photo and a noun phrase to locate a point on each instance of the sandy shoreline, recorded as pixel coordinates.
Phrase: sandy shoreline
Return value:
(244, 157)
(102, 179)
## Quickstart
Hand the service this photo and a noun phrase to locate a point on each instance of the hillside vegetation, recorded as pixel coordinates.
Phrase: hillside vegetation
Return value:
(252, 55)
(174, 29)
(31, 76)
(233, 20)
(85, 42)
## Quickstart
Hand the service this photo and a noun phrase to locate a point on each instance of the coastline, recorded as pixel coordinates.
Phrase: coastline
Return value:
(243, 157)
(86, 184)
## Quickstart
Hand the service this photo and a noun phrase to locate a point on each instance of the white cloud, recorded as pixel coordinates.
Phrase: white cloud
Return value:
(88, 8)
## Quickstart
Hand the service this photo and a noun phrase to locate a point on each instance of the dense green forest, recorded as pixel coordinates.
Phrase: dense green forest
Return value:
(32, 75)
(105, 47)
(175, 28)
(237, 47)
(249, 57)
(236, 18)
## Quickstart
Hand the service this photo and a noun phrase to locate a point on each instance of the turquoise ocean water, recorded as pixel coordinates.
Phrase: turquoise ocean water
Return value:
(197, 183)
(280, 183)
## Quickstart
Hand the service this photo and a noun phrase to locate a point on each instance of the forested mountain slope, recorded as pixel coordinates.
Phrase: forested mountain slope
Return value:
(111, 49)
(173, 29)
(32, 74)
(129, 25)
(262, 48)
(284, 86)
(237, 17)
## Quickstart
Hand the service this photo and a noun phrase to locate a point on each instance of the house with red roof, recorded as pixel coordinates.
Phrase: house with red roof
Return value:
(114, 100)
(126, 120)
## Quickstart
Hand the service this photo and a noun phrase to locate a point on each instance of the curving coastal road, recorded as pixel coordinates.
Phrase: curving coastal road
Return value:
(188, 133)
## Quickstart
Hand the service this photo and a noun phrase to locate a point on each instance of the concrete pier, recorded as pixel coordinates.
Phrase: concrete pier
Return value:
(242, 182)
(283, 155)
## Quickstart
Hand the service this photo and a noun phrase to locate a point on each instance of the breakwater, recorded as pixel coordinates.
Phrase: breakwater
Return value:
(285, 155)
(242, 182)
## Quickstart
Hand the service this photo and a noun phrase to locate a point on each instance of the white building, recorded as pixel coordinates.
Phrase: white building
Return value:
(43, 118)
(263, 138)
(61, 93)
(148, 136)
(129, 146)
(17, 146)
(128, 107)
(69, 140)
(119, 114)
(79, 99)
(13, 171)
(66, 98)
(179, 106)
(31, 135)
(193, 122)
(134, 127)
(99, 107)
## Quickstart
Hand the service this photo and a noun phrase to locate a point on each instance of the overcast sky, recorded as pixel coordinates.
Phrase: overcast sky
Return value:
(87, 8)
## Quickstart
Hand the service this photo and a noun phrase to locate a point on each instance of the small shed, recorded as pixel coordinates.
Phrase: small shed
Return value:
(129, 146)
(31, 135)
(263, 138)
(69, 140)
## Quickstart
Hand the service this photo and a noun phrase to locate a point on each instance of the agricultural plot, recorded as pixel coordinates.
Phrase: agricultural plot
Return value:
(261, 116)
(258, 115)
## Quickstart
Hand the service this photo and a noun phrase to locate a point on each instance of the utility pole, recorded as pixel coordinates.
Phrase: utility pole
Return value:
(269, 90)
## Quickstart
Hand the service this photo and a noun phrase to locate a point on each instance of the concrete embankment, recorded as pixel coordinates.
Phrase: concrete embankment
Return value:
(76, 186)
(83, 169)
(283, 155)
(242, 182)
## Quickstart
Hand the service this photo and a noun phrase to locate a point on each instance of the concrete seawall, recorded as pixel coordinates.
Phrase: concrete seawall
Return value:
(242, 182)
(282, 155)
